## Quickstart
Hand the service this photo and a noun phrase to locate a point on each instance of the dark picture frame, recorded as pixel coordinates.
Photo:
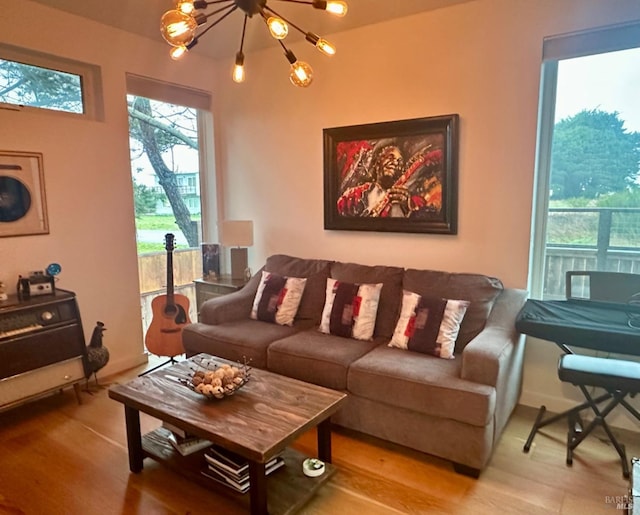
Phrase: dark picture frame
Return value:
(399, 176)
(210, 261)
(23, 203)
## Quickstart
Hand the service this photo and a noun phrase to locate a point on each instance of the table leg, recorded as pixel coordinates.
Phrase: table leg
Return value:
(324, 440)
(134, 438)
(257, 488)
(76, 389)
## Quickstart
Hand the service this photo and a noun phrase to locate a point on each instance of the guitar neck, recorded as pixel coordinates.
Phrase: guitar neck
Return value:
(170, 297)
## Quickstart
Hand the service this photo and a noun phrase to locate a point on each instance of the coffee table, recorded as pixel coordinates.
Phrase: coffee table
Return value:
(258, 422)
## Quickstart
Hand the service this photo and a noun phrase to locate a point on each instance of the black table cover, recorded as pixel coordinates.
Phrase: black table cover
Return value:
(601, 326)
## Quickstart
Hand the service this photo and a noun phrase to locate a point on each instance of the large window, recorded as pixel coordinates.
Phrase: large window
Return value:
(35, 80)
(588, 172)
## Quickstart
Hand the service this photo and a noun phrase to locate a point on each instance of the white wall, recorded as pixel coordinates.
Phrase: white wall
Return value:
(87, 172)
(479, 59)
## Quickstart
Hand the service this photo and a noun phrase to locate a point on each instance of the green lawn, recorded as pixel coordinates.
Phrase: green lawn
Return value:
(144, 247)
(164, 222)
(156, 222)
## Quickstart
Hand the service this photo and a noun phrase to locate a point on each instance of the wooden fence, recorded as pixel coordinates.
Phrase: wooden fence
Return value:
(560, 260)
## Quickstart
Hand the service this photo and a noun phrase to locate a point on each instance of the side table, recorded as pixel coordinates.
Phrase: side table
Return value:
(210, 288)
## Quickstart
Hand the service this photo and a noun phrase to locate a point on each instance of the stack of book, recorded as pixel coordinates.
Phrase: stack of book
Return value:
(232, 470)
(184, 442)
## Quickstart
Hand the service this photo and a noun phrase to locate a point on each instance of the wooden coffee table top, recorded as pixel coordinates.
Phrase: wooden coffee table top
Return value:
(257, 422)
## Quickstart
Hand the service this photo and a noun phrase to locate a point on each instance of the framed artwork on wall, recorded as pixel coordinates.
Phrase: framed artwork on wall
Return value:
(399, 176)
(23, 205)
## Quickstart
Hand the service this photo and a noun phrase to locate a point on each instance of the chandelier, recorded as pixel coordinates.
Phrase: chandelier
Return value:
(179, 26)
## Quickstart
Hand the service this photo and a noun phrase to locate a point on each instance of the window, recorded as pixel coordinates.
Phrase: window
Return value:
(165, 162)
(587, 209)
(35, 80)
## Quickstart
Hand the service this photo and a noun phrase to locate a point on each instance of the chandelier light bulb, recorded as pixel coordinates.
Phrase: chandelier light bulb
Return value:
(301, 74)
(185, 6)
(238, 69)
(177, 52)
(238, 74)
(321, 44)
(336, 7)
(278, 27)
(325, 47)
(177, 28)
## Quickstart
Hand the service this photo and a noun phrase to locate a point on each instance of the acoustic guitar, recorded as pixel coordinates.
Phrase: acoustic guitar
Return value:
(170, 313)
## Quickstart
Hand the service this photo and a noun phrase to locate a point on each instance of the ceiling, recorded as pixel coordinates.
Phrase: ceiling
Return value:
(142, 17)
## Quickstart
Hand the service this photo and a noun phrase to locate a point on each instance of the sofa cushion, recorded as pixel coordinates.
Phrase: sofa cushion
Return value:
(421, 383)
(390, 296)
(429, 325)
(316, 271)
(480, 290)
(236, 340)
(277, 298)
(315, 357)
(350, 309)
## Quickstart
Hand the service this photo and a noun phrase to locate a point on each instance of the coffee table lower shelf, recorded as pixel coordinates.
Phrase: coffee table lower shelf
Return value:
(288, 489)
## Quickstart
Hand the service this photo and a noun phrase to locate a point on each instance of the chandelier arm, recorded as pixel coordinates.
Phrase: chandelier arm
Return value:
(286, 50)
(339, 8)
(244, 28)
(296, 2)
(230, 10)
(231, 6)
(288, 53)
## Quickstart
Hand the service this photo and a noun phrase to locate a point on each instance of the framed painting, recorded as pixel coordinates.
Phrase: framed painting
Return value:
(399, 176)
(23, 206)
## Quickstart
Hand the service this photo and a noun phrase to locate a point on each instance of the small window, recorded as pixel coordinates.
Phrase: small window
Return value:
(35, 80)
(23, 84)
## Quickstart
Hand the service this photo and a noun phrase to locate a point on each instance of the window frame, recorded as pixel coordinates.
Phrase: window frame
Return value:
(90, 80)
(555, 49)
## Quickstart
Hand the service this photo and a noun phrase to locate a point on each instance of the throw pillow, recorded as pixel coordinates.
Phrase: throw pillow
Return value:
(350, 309)
(429, 325)
(277, 298)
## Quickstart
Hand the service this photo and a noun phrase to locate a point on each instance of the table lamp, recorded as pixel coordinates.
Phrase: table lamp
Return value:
(237, 234)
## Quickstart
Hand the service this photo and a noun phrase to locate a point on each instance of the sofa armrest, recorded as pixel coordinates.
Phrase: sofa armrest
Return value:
(489, 357)
(495, 357)
(231, 307)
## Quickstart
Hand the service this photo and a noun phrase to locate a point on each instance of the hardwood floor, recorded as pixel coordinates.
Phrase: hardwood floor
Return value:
(59, 457)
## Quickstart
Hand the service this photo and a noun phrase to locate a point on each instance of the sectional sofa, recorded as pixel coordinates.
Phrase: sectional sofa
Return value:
(455, 409)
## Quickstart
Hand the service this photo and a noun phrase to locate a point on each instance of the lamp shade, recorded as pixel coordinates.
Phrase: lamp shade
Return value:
(236, 233)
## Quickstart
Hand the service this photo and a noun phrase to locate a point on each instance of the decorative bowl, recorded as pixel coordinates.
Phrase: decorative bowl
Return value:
(217, 381)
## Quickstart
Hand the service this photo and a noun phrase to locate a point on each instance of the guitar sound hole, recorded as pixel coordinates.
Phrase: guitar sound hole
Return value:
(177, 312)
(181, 318)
